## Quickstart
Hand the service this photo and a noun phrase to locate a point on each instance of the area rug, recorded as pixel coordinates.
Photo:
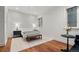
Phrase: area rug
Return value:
(19, 44)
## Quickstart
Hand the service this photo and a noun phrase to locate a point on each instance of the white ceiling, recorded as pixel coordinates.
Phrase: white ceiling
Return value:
(36, 10)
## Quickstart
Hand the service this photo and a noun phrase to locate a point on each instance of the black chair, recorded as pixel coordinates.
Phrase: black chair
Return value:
(75, 47)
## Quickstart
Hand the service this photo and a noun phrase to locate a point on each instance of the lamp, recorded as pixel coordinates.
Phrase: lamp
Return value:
(17, 26)
(34, 26)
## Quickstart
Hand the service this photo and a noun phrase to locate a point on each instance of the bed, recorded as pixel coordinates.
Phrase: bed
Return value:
(32, 35)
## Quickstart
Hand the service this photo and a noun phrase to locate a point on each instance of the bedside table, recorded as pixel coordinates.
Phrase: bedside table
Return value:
(17, 34)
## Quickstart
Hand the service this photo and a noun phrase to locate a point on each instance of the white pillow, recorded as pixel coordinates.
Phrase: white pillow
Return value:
(26, 29)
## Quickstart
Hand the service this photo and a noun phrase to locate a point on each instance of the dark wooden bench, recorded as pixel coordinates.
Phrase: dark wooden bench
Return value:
(35, 37)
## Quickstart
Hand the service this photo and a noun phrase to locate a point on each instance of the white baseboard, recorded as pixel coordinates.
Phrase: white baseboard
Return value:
(2, 44)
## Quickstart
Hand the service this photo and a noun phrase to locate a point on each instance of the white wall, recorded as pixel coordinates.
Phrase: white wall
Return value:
(54, 22)
(78, 16)
(2, 36)
(25, 21)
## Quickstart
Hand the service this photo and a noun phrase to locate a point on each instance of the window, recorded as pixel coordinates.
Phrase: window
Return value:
(72, 16)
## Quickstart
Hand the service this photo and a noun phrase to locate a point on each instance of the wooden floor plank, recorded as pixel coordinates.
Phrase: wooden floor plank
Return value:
(51, 46)
(7, 47)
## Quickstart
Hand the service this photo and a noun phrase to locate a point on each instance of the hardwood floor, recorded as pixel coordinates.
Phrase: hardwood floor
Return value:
(50, 46)
(7, 47)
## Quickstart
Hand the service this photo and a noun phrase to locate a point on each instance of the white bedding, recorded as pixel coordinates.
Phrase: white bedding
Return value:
(30, 33)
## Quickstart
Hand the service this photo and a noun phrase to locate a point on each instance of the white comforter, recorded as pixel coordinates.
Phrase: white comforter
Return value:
(30, 33)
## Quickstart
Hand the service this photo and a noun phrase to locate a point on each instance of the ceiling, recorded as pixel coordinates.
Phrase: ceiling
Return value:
(36, 10)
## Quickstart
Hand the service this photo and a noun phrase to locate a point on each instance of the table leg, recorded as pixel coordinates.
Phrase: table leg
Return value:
(67, 49)
(67, 44)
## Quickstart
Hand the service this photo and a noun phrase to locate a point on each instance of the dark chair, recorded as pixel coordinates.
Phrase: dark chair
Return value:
(75, 47)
